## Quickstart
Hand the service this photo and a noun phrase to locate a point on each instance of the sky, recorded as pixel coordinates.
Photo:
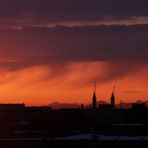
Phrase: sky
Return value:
(54, 50)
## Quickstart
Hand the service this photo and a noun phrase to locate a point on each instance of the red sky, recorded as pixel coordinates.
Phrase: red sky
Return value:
(55, 50)
(41, 85)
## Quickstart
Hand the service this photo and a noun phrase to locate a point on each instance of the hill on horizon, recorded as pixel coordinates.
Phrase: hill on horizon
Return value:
(59, 105)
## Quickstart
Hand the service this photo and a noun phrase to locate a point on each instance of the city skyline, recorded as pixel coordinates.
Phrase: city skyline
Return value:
(94, 101)
(53, 50)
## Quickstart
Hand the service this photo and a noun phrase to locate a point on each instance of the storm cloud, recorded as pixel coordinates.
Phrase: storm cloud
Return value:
(41, 12)
(65, 45)
(100, 43)
(29, 40)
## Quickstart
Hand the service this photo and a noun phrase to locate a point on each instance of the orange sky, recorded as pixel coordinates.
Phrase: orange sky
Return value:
(41, 85)
(54, 50)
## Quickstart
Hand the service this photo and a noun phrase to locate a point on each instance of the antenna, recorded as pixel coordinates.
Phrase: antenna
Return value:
(114, 90)
(95, 86)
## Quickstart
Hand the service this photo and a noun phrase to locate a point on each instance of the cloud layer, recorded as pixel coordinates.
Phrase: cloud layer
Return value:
(57, 10)
(35, 45)
(46, 12)
(73, 41)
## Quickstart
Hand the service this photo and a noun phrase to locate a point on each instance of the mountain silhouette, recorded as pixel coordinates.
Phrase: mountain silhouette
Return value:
(58, 105)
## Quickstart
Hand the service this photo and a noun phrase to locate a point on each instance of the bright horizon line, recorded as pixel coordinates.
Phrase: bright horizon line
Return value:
(72, 103)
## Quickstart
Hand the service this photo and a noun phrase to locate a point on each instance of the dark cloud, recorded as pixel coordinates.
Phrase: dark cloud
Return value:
(72, 10)
(119, 69)
(61, 34)
(123, 48)
(76, 43)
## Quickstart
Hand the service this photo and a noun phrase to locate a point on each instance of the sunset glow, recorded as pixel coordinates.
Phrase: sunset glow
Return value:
(73, 83)
(54, 51)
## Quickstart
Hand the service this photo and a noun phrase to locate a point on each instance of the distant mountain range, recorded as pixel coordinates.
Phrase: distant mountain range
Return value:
(58, 105)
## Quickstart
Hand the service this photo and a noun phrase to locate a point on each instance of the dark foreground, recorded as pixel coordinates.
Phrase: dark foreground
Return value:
(21, 126)
(71, 144)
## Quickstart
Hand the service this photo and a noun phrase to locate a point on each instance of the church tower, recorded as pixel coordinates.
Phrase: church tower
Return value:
(112, 99)
(94, 99)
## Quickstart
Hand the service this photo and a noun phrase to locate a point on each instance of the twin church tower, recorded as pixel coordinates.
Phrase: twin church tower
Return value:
(112, 99)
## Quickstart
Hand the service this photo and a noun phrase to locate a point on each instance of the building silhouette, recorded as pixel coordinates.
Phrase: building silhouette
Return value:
(112, 100)
(94, 99)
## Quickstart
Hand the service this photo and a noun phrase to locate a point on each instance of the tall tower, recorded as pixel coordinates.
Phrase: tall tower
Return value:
(94, 99)
(112, 99)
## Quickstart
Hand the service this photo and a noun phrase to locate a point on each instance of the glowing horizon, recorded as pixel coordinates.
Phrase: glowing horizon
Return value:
(54, 50)
(42, 85)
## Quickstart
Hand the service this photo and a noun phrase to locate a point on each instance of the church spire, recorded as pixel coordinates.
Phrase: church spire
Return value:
(94, 99)
(113, 98)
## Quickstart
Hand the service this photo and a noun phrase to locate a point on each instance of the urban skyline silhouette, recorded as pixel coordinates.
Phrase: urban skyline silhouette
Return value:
(52, 51)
